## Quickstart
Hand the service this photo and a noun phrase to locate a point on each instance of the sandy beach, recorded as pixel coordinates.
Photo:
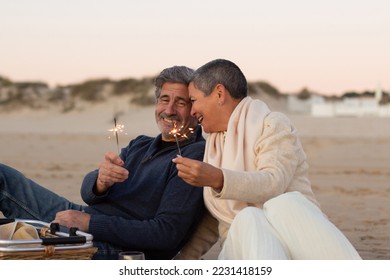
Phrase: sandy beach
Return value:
(349, 161)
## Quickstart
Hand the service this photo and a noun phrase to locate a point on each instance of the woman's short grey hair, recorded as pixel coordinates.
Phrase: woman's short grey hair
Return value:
(175, 74)
(221, 71)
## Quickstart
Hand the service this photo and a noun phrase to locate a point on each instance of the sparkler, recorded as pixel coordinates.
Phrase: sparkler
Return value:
(117, 128)
(177, 132)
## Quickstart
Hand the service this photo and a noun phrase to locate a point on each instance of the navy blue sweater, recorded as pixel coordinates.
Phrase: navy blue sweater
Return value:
(154, 210)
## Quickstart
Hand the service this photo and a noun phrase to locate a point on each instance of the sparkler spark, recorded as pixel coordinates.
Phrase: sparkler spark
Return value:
(118, 128)
(177, 132)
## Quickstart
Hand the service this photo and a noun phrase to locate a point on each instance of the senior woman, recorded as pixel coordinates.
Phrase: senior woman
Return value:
(255, 175)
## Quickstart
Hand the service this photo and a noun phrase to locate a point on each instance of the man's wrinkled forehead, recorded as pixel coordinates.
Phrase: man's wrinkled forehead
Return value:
(174, 90)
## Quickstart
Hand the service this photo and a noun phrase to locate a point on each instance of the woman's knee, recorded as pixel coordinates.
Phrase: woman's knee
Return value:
(290, 202)
(249, 216)
(248, 213)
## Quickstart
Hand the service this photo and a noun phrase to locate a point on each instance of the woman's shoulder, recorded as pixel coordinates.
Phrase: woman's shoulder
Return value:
(277, 120)
(277, 117)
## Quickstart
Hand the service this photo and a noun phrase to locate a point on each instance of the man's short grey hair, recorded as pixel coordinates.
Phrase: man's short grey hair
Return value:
(175, 74)
(221, 71)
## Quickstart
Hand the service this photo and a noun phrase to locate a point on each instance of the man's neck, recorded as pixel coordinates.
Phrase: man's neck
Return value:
(165, 144)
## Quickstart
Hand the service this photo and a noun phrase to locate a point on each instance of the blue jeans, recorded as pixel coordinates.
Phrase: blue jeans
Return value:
(22, 198)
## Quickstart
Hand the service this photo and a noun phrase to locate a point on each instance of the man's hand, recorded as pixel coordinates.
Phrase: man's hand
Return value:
(73, 218)
(111, 171)
(198, 173)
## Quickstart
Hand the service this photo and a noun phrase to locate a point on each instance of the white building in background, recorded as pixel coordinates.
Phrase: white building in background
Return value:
(303, 106)
(317, 106)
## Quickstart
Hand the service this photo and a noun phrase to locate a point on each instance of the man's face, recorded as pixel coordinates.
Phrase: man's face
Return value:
(173, 107)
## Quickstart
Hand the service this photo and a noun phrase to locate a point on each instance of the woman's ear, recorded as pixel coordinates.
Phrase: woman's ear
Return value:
(221, 93)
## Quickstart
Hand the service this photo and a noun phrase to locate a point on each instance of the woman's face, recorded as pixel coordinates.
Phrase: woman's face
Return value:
(206, 110)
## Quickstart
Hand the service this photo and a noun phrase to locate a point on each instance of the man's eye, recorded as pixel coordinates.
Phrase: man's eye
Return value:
(181, 103)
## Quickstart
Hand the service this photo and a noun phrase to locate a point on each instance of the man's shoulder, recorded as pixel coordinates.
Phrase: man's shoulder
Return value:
(142, 139)
(198, 135)
(198, 139)
(198, 144)
(195, 150)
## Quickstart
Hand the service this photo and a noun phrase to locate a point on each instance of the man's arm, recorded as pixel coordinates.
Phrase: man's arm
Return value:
(97, 183)
(179, 207)
(87, 189)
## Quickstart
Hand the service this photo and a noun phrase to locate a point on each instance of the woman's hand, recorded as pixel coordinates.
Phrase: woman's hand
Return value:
(199, 173)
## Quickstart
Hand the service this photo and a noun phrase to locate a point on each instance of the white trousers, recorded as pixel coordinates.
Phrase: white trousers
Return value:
(288, 227)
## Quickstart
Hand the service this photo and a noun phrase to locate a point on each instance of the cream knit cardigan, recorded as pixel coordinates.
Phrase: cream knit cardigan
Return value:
(261, 157)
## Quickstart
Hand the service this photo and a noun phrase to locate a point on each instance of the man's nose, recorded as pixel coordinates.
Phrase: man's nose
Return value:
(170, 108)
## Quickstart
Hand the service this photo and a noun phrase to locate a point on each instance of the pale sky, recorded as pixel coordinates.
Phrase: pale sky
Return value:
(328, 46)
